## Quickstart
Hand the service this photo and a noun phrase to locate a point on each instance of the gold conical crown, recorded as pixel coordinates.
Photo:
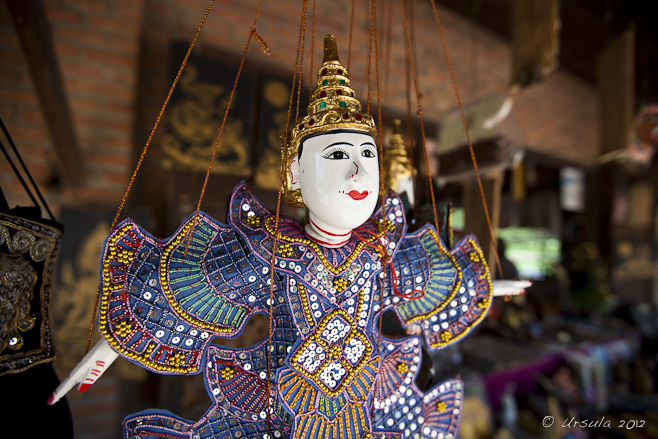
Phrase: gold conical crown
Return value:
(397, 163)
(332, 107)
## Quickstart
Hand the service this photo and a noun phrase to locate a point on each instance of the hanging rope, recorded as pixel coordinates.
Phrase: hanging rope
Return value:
(221, 128)
(409, 137)
(368, 70)
(261, 42)
(297, 71)
(301, 60)
(380, 148)
(388, 32)
(468, 138)
(407, 80)
(419, 113)
(349, 47)
(143, 154)
(310, 68)
(373, 37)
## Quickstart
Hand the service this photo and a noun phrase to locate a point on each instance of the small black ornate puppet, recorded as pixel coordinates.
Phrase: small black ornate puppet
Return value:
(326, 371)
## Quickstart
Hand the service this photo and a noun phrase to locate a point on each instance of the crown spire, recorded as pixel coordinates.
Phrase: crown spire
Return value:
(333, 106)
(397, 163)
(330, 49)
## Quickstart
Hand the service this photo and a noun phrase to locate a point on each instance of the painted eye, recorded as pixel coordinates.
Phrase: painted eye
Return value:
(367, 153)
(336, 154)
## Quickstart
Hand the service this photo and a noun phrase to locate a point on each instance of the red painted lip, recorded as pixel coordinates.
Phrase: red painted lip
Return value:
(358, 195)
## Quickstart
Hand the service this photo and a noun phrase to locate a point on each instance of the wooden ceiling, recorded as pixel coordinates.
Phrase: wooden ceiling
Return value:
(586, 27)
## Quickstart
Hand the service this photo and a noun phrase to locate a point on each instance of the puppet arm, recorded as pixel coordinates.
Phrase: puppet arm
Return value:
(88, 370)
(163, 301)
(438, 292)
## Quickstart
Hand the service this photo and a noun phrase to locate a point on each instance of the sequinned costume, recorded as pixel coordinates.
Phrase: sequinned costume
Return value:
(331, 373)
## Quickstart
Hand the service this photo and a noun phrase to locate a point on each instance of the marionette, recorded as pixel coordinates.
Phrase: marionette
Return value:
(325, 370)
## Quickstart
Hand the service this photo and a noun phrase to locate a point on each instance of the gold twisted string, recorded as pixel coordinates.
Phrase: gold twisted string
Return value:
(349, 47)
(388, 33)
(468, 138)
(297, 71)
(301, 59)
(371, 27)
(143, 154)
(409, 138)
(419, 112)
(261, 42)
(373, 37)
(252, 32)
(407, 83)
(310, 68)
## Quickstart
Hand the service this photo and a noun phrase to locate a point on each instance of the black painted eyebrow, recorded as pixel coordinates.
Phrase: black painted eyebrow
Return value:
(337, 143)
(368, 143)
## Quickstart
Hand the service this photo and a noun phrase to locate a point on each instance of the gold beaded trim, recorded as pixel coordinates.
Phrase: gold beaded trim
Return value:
(487, 300)
(166, 289)
(305, 306)
(334, 429)
(454, 289)
(335, 270)
(373, 363)
(115, 254)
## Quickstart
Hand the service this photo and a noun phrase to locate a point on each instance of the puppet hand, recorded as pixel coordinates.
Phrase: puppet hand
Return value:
(510, 287)
(88, 370)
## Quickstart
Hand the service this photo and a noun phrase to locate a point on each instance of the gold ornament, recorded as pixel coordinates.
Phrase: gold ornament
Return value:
(227, 373)
(397, 163)
(340, 284)
(332, 107)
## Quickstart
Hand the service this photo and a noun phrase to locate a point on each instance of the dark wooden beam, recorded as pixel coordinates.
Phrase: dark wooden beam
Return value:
(535, 40)
(616, 81)
(36, 38)
(475, 218)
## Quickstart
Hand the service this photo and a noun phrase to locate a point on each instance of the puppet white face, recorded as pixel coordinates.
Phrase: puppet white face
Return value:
(338, 174)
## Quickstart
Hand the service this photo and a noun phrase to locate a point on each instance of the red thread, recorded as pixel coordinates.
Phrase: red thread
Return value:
(412, 295)
(328, 233)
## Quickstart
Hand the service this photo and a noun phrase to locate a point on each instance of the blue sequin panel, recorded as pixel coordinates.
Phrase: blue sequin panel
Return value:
(431, 272)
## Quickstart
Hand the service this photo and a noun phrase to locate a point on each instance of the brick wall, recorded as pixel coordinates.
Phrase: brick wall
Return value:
(558, 117)
(21, 113)
(98, 48)
(96, 44)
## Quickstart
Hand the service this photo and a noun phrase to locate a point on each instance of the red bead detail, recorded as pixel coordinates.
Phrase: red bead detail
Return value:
(345, 116)
(301, 126)
(339, 92)
(311, 122)
(323, 94)
(339, 72)
(357, 116)
(324, 72)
